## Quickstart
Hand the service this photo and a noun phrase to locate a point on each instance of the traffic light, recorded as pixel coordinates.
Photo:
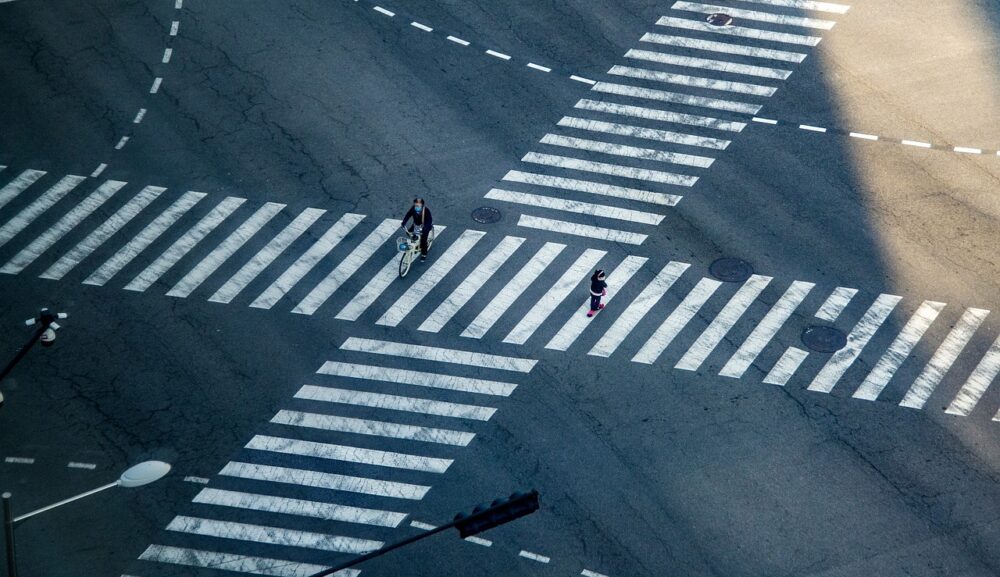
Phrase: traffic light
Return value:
(501, 511)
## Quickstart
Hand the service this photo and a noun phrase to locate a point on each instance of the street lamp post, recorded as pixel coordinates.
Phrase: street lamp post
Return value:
(45, 333)
(135, 476)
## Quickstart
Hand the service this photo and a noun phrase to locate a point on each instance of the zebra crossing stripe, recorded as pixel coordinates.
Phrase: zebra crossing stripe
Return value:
(12, 189)
(661, 115)
(723, 47)
(579, 321)
(348, 454)
(739, 31)
(676, 98)
(464, 292)
(222, 253)
(678, 319)
(234, 562)
(299, 507)
(897, 352)
(806, 5)
(592, 187)
(394, 403)
(556, 294)
(272, 535)
(768, 17)
(102, 233)
(574, 206)
(584, 230)
(862, 332)
(694, 81)
(430, 278)
(835, 303)
(935, 369)
(184, 244)
(416, 378)
(610, 169)
(372, 428)
(501, 302)
(980, 379)
(331, 481)
(629, 151)
(265, 256)
(642, 132)
(709, 64)
(765, 330)
(439, 355)
(28, 214)
(786, 366)
(62, 227)
(723, 323)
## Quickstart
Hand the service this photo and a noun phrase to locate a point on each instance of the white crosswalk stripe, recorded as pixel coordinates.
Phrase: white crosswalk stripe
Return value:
(678, 319)
(395, 403)
(348, 454)
(592, 187)
(693, 81)
(661, 116)
(574, 206)
(806, 5)
(835, 303)
(299, 507)
(417, 378)
(233, 562)
(786, 366)
(897, 352)
(272, 535)
(980, 379)
(709, 64)
(676, 98)
(625, 150)
(438, 354)
(584, 230)
(722, 47)
(610, 169)
(373, 428)
(28, 214)
(642, 132)
(739, 31)
(12, 189)
(769, 17)
(319, 479)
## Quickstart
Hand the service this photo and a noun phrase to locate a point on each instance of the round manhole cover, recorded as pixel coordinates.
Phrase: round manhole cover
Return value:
(824, 339)
(486, 215)
(731, 270)
(719, 19)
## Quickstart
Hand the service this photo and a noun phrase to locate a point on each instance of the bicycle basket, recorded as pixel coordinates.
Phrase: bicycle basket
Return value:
(402, 244)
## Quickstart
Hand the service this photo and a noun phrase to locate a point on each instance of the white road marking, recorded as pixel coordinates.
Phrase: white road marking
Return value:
(317, 252)
(812, 128)
(980, 379)
(863, 136)
(373, 428)
(420, 26)
(417, 378)
(738, 31)
(97, 171)
(178, 4)
(723, 47)
(348, 454)
(544, 307)
(589, 573)
(234, 562)
(678, 319)
(15, 187)
(458, 41)
(121, 143)
(272, 535)
(582, 79)
(786, 366)
(533, 556)
(835, 303)
(661, 115)
(862, 332)
(139, 116)
(628, 151)
(765, 330)
(19, 460)
(539, 67)
(139, 242)
(643, 132)
(441, 266)
(382, 10)
(768, 17)
(63, 226)
(897, 352)
(806, 5)
(501, 302)
(174, 27)
(575, 206)
(592, 187)
(627, 321)
(439, 355)
(76, 465)
(395, 403)
(167, 53)
(225, 250)
(723, 323)
(331, 481)
(695, 81)
(579, 321)
(28, 214)
(422, 526)
(480, 541)
(198, 480)
(184, 244)
(266, 255)
(500, 55)
(300, 507)
(156, 85)
(584, 230)
(469, 286)
(935, 369)
(968, 150)
(916, 143)
(102, 233)
(709, 64)
(676, 98)
(610, 169)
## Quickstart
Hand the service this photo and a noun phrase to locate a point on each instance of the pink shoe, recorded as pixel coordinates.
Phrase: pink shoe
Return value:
(590, 313)
(600, 307)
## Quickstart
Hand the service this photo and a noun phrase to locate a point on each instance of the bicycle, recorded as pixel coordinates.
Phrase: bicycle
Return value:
(410, 246)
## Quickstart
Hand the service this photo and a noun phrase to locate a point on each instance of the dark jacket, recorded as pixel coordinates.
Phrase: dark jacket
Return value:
(424, 219)
(597, 286)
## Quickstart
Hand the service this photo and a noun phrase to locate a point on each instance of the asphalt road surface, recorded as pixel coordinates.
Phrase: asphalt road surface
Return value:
(212, 191)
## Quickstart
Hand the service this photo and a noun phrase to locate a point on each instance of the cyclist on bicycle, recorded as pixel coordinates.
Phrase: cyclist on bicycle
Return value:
(422, 223)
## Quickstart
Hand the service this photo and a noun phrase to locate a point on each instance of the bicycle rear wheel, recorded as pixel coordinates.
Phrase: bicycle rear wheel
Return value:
(430, 238)
(404, 263)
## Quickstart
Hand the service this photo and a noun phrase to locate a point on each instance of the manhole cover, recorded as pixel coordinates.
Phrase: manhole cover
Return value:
(486, 215)
(824, 339)
(731, 270)
(719, 19)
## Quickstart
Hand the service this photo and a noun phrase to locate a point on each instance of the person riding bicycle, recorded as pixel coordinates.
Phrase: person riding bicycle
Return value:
(422, 220)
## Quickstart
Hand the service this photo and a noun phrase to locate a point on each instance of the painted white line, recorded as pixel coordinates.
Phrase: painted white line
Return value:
(863, 136)
(643, 132)
(584, 230)
(574, 275)
(835, 303)
(299, 507)
(97, 171)
(589, 573)
(233, 562)
(441, 266)
(768, 17)
(627, 321)
(272, 535)
(19, 460)
(678, 319)
(102, 233)
(501, 302)
(395, 403)
(575, 206)
(384, 11)
(582, 79)
(197, 480)
(417, 378)
(661, 115)
(694, 81)
(709, 64)
(945, 355)
(723, 47)
(422, 526)
(458, 41)
(592, 187)
(916, 143)
(225, 250)
(121, 143)
(348, 454)
(812, 128)
(627, 151)
(331, 481)
(184, 244)
(178, 4)
(317, 252)
(156, 85)
(28, 214)
(480, 541)
(579, 322)
(539, 67)
(18, 185)
(897, 352)
(438, 355)
(139, 116)
(174, 27)
(980, 379)
(76, 465)
(464, 292)
(167, 53)
(266, 255)
(723, 323)
(500, 55)
(862, 332)
(968, 150)
(139, 242)
(766, 329)
(677, 98)
(806, 5)
(420, 26)
(373, 428)
(62, 227)
(533, 556)
(764, 120)
(739, 31)
(786, 366)
(610, 169)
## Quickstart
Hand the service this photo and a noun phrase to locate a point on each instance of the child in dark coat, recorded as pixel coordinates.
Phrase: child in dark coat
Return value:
(598, 288)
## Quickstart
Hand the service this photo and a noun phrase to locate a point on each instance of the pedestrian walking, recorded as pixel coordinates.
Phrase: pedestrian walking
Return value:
(598, 289)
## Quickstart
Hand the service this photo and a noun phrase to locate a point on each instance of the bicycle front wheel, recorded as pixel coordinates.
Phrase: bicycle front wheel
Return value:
(404, 263)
